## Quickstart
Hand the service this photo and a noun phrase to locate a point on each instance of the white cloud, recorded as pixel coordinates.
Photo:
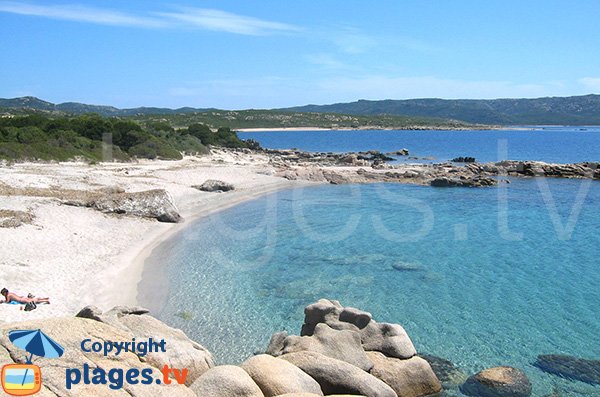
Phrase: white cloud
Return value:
(591, 83)
(201, 18)
(273, 92)
(326, 61)
(218, 20)
(80, 13)
(381, 87)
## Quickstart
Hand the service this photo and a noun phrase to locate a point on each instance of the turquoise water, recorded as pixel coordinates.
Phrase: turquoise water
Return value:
(498, 276)
(482, 277)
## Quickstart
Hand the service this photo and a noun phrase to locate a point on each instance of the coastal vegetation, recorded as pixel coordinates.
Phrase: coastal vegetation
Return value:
(39, 136)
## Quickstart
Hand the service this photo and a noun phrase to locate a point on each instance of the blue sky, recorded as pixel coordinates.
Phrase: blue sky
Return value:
(264, 54)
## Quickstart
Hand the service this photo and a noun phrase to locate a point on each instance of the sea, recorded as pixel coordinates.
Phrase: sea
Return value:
(479, 276)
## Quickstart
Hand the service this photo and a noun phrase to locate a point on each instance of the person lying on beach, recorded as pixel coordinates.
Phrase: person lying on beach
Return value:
(12, 297)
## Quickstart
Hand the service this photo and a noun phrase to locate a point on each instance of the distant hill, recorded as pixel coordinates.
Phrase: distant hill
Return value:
(183, 117)
(575, 110)
(33, 103)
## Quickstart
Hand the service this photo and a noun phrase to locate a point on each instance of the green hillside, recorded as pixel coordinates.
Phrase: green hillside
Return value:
(575, 110)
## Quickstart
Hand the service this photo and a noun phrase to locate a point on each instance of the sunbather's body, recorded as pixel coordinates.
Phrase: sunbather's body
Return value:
(12, 297)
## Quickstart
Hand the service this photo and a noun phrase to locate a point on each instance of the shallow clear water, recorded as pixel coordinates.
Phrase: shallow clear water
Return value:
(498, 276)
(550, 144)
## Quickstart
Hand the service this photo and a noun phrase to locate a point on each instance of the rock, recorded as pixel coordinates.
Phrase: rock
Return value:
(355, 316)
(344, 345)
(448, 373)
(351, 159)
(182, 352)
(320, 312)
(407, 267)
(276, 343)
(214, 185)
(298, 395)
(157, 204)
(275, 376)
(226, 381)
(90, 312)
(445, 181)
(338, 377)
(69, 332)
(389, 339)
(570, 367)
(409, 378)
(401, 152)
(498, 382)
(463, 160)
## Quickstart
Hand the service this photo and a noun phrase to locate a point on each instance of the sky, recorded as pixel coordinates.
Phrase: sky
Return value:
(268, 54)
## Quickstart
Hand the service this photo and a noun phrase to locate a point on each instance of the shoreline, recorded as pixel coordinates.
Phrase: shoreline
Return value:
(149, 284)
(80, 256)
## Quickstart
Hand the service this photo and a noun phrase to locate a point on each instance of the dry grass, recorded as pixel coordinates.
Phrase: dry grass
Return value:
(10, 218)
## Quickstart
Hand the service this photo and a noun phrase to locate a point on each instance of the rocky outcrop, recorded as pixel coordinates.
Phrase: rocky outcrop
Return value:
(409, 378)
(338, 377)
(157, 204)
(344, 345)
(275, 376)
(389, 339)
(182, 351)
(214, 185)
(589, 170)
(342, 352)
(570, 367)
(401, 152)
(226, 381)
(498, 382)
(463, 182)
(352, 341)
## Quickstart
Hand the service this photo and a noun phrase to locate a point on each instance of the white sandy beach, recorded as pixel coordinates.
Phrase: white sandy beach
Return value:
(79, 256)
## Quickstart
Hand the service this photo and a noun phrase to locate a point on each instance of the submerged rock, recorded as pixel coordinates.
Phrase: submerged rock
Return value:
(570, 367)
(498, 382)
(448, 373)
(407, 267)
(214, 185)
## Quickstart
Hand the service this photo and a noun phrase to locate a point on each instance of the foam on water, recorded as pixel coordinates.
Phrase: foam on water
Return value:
(474, 277)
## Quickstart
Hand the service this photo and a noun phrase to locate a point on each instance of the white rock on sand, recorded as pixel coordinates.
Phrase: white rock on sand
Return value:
(79, 256)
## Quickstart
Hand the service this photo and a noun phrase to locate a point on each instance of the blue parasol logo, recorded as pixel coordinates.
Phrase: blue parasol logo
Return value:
(35, 342)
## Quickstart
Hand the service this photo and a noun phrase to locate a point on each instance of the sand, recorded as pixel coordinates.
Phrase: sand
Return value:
(79, 256)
